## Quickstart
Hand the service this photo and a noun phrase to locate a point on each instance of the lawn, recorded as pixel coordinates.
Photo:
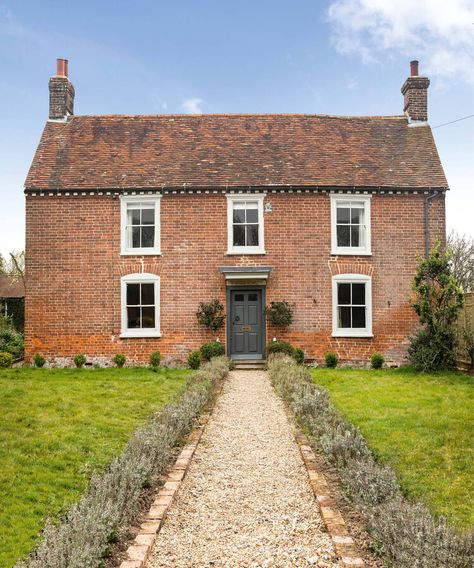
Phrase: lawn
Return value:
(56, 427)
(420, 424)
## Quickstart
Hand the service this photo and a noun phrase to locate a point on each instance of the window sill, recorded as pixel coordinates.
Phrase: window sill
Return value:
(141, 252)
(348, 334)
(244, 252)
(138, 335)
(350, 252)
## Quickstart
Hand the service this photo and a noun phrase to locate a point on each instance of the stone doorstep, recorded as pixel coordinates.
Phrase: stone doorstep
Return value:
(344, 545)
(138, 552)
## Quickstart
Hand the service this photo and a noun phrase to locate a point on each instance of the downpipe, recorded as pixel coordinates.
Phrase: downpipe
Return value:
(427, 222)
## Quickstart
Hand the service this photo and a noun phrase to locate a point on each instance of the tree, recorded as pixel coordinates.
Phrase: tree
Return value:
(14, 266)
(438, 299)
(461, 249)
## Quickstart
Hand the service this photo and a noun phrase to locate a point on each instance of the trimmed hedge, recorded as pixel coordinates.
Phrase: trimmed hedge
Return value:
(211, 349)
(194, 359)
(404, 532)
(83, 537)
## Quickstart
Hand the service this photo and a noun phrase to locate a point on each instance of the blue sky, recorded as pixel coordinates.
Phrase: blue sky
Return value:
(341, 57)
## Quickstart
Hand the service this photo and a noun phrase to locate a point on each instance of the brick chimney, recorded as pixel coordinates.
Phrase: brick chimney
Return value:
(61, 92)
(415, 95)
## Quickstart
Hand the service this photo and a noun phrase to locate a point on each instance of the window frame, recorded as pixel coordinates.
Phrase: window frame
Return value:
(352, 279)
(231, 199)
(125, 200)
(139, 278)
(365, 250)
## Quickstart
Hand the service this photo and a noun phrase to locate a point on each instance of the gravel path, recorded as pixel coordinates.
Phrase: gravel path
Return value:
(246, 500)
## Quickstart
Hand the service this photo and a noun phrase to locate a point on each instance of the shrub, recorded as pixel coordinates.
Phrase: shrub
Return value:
(211, 315)
(377, 360)
(331, 360)
(410, 537)
(6, 360)
(80, 360)
(298, 355)
(279, 313)
(155, 359)
(11, 341)
(432, 351)
(280, 347)
(369, 482)
(211, 349)
(38, 360)
(438, 299)
(343, 443)
(119, 360)
(194, 359)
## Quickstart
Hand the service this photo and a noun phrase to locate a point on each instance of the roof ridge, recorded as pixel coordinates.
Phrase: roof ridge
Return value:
(238, 115)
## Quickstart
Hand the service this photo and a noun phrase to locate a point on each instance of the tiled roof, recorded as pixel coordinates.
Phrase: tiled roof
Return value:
(9, 289)
(106, 152)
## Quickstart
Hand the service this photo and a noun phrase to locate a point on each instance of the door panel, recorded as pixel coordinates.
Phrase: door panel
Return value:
(252, 314)
(253, 343)
(239, 343)
(246, 332)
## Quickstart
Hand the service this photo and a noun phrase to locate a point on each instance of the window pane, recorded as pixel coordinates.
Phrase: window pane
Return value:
(355, 232)
(148, 237)
(357, 216)
(253, 297)
(252, 216)
(344, 319)
(252, 235)
(148, 216)
(251, 205)
(358, 317)
(239, 215)
(148, 317)
(133, 317)
(239, 235)
(148, 294)
(135, 237)
(358, 294)
(343, 215)
(133, 294)
(239, 297)
(343, 294)
(134, 216)
(343, 236)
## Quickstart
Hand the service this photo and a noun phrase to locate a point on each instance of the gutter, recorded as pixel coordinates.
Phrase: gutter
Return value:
(427, 222)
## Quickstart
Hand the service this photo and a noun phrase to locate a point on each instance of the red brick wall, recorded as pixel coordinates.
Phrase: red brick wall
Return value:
(74, 268)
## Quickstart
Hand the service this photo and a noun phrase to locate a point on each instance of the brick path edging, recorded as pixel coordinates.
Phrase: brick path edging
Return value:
(344, 544)
(139, 550)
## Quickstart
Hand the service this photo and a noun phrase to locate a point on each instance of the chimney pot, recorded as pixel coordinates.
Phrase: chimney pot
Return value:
(413, 68)
(61, 67)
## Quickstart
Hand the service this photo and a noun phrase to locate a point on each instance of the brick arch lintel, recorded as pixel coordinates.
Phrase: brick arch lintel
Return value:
(137, 266)
(350, 266)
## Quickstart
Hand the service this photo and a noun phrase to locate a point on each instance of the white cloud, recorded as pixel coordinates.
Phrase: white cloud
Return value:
(352, 84)
(192, 106)
(438, 32)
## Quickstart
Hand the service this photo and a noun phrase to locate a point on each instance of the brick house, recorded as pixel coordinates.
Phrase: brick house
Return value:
(131, 221)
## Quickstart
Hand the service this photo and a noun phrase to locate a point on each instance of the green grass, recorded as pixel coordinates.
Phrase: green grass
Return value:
(56, 427)
(420, 424)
